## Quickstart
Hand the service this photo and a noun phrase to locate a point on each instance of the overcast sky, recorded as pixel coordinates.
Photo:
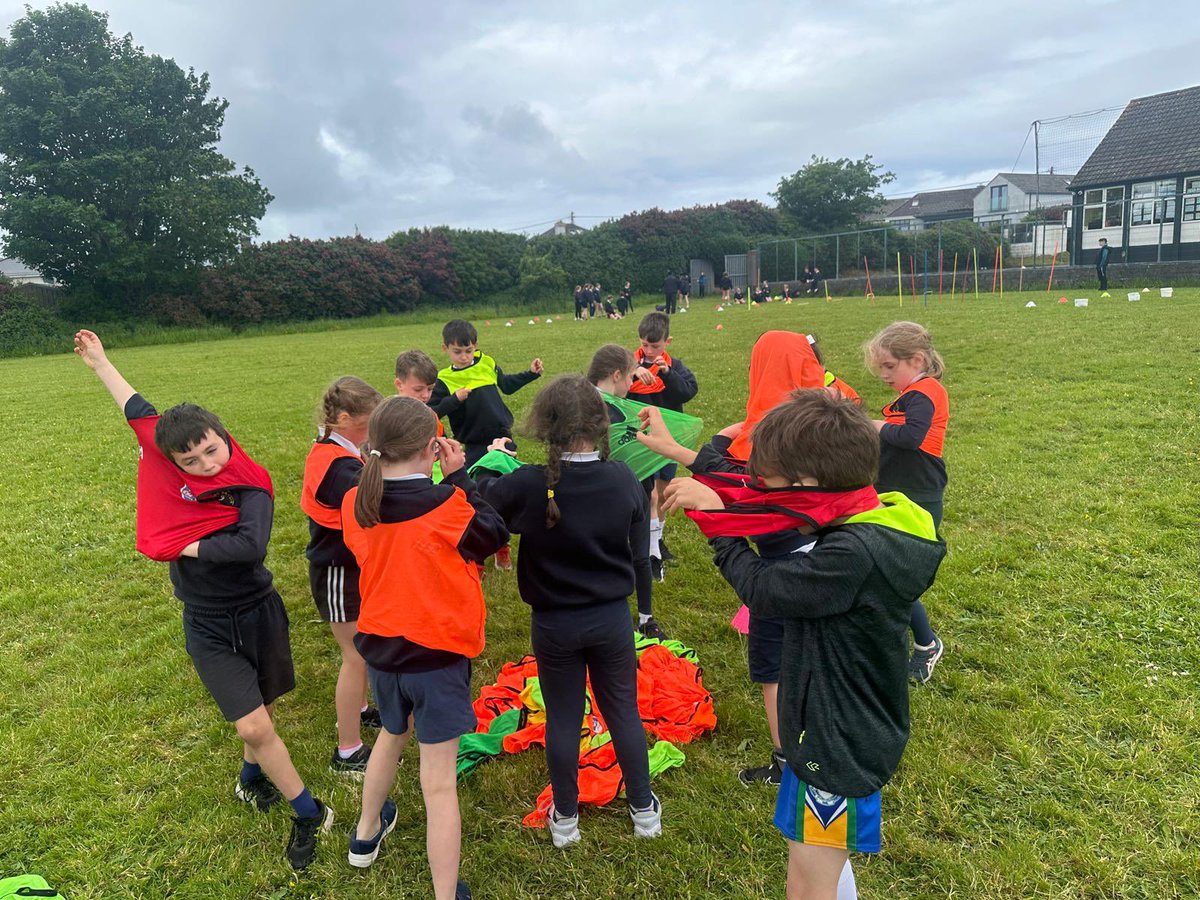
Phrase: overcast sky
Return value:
(386, 115)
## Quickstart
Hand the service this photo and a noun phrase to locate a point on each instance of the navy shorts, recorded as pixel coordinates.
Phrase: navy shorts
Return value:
(667, 472)
(765, 649)
(243, 655)
(438, 700)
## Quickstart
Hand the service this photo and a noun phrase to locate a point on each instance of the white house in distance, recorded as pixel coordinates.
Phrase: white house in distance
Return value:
(16, 272)
(1009, 198)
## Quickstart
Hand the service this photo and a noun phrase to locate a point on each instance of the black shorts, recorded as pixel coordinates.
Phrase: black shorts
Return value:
(335, 591)
(765, 649)
(242, 655)
(667, 472)
(438, 700)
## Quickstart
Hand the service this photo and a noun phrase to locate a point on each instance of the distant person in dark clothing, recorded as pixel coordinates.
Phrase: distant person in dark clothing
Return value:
(579, 295)
(627, 297)
(818, 281)
(702, 283)
(685, 290)
(1102, 264)
(726, 284)
(671, 291)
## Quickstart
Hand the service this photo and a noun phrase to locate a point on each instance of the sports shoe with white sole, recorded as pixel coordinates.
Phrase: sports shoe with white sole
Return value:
(363, 853)
(647, 823)
(923, 659)
(302, 845)
(564, 830)
(259, 792)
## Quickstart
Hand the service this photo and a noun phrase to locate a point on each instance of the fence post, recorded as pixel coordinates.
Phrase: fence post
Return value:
(795, 260)
(885, 253)
(837, 259)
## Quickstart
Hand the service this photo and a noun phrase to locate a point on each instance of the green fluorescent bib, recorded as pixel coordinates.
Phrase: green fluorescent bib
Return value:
(623, 444)
(900, 514)
(480, 374)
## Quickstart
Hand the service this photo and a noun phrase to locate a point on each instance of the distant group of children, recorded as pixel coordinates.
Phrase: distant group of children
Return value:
(590, 302)
(841, 511)
(811, 282)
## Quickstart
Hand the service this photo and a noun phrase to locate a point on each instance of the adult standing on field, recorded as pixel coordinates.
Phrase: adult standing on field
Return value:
(671, 291)
(702, 283)
(1102, 264)
(726, 286)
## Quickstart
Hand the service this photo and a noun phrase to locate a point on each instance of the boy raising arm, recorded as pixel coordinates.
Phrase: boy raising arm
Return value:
(207, 508)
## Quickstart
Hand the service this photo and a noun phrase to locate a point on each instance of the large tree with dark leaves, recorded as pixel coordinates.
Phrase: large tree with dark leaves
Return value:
(110, 180)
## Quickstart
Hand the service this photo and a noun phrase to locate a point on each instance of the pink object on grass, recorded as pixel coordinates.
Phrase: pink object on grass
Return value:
(741, 620)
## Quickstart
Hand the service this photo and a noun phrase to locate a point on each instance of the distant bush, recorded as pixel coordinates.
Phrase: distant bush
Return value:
(26, 324)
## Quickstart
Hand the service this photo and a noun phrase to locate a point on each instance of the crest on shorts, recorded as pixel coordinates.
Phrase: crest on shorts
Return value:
(824, 805)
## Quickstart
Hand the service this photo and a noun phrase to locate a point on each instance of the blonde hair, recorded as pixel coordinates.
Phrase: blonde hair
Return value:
(400, 428)
(904, 340)
(346, 395)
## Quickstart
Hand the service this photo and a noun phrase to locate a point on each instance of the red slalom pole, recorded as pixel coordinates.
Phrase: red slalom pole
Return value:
(995, 270)
(870, 290)
(912, 267)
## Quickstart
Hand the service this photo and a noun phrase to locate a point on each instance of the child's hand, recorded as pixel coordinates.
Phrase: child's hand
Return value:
(878, 423)
(451, 455)
(461, 394)
(655, 435)
(536, 367)
(662, 364)
(732, 431)
(688, 493)
(89, 349)
(502, 444)
(643, 375)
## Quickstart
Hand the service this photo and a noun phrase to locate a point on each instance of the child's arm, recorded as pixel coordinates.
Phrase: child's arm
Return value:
(486, 533)
(659, 439)
(244, 542)
(918, 419)
(91, 351)
(343, 474)
(443, 402)
(680, 382)
(510, 384)
(823, 582)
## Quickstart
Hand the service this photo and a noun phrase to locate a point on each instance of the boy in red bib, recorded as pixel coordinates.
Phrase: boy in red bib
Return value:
(206, 508)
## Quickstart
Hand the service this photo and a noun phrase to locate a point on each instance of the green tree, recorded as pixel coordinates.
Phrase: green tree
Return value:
(110, 180)
(831, 195)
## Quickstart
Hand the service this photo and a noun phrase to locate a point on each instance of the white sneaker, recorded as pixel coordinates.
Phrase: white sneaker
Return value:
(564, 830)
(647, 823)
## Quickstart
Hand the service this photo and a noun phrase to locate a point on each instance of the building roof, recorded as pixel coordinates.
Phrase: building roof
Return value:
(11, 267)
(1031, 183)
(938, 204)
(561, 227)
(885, 209)
(1155, 136)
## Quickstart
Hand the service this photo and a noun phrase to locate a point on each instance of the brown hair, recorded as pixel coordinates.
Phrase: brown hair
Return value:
(814, 435)
(568, 411)
(654, 327)
(904, 340)
(608, 359)
(347, 395)
(416, 362)
(400, 428)
(182, 427)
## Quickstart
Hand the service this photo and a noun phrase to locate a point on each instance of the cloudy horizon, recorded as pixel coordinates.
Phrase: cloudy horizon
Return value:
(377, 117)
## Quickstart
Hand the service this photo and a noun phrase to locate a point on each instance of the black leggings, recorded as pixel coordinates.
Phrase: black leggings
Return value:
(922, 631)
(572, 644)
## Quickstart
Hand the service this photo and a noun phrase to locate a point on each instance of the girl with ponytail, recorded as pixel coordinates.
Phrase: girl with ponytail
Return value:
(584, 526)
(333, 466)
(421, 622)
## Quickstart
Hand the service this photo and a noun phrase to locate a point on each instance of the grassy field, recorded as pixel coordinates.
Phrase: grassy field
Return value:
(1053, 755)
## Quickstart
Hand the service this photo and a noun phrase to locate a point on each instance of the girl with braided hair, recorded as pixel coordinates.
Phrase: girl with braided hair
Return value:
(584, 526)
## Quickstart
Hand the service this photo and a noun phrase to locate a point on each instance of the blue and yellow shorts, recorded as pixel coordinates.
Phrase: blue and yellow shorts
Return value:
(807, 815)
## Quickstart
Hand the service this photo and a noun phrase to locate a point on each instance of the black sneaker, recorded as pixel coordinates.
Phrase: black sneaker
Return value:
(665, 551)
(302, 845)
(770, 774)
(656, 569)
(651, 629)
(369, 718)
(922, 661)
(461, 891)
(355, 764)
(258, 791)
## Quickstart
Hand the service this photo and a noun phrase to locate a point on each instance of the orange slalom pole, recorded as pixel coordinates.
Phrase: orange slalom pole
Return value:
(870, 290)
(995, 269)
(1053, 260)
(954, 277)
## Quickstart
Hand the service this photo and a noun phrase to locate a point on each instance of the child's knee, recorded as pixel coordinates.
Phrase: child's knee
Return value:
(256, 728)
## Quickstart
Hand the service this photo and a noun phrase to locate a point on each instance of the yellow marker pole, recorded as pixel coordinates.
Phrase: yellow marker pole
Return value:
(975, 251)
(954, 277)
(899, 280)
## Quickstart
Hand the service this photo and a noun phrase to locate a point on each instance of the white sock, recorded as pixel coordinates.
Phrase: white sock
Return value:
(847, 889)
(643, 618)
(346, 753)
(656, 530)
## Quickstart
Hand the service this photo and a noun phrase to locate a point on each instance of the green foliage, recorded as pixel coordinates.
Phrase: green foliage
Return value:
(27, 324)
(486, 262)
(831, 195)
(541, 278)
(108, 162)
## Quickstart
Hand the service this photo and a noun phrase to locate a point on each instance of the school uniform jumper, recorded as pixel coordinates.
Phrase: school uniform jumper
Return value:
(482, 417)
(576, 578)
